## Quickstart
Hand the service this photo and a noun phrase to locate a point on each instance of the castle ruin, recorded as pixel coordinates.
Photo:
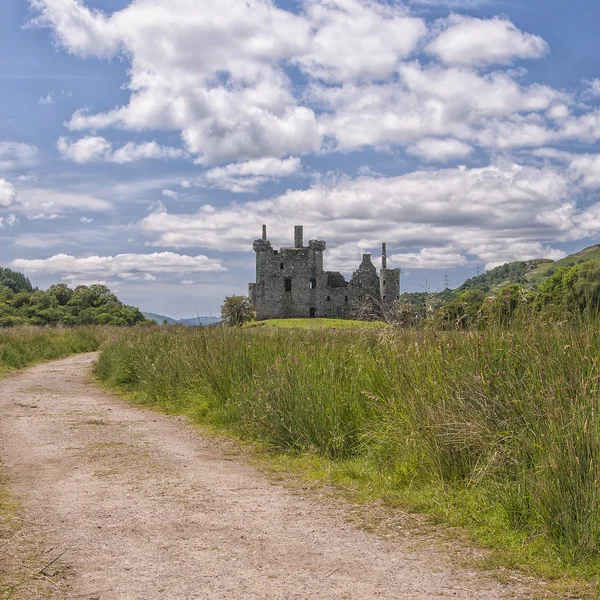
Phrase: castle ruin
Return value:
(291, 282)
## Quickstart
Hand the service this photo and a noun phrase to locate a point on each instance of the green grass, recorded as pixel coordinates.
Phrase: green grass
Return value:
(23, 346)
(494, 432)
(319, 323)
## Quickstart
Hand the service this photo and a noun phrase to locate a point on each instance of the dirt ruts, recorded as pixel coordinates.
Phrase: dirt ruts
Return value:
(140, 506)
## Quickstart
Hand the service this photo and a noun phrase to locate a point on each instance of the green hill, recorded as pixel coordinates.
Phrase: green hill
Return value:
(530, 272)
(590, 254)
(533, 274)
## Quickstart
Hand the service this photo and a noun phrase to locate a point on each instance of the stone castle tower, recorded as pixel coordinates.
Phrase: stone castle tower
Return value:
(291, 282)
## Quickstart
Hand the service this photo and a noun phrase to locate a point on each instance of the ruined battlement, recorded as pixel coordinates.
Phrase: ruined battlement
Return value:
(291, 282)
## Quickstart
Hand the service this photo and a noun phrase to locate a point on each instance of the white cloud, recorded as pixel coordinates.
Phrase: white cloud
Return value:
(491, 213)
(47, 99)
(491, 110)
(27, 178)
(170, 194)
(187, 282)
(8, 193)
(15, 155)
(50, 97)
(587, 168)
(471, 41)
(11, 221)
(430, 258)
(85, 150)
(43, 217)
(453, 4)
(249, 175)
(380, 35)
(440, 149)
(221, 79)
(36, 200)
(127, 267)
(131, 152)
(86, 220)
(217, 78)
(592, 89)
(93, 148)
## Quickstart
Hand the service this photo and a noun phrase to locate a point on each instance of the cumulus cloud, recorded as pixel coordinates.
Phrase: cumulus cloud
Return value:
(490, 213)
(430, 258)
(85, 150)
(126, 267)
(475, 42)
(222, 78)
(8, 193)
(440, 149)
(358, 39)
(491, 110)
(94, 148)
(14, 155)
(249, 175)
(587, 168)
(170, 194)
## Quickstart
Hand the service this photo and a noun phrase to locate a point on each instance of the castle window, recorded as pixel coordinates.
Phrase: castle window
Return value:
(275, 251)
(384, 298)
(346, 299)
(288, 284)
(281, 266)
(312, 311)
(313, 283)
(384, 282)
(328, 298)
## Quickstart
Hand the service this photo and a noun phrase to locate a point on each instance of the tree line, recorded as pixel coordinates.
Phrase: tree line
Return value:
(22, 304)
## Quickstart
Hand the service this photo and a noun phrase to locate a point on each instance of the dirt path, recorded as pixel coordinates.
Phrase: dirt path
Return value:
(145, 508)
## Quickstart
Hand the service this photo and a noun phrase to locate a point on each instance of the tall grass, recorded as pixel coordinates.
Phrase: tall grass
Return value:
(496, 429)
(22, 346)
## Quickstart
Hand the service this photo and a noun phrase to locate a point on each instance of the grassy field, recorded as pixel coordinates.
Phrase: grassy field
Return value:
(318, 323)
(495, 432)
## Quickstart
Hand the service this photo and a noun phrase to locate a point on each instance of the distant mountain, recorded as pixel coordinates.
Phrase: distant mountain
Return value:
(192, 322)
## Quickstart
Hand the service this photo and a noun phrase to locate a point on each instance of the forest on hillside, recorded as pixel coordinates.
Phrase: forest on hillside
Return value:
(22, 304)
(570, 293)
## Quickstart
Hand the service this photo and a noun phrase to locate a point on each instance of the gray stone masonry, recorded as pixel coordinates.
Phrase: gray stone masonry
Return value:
(291, 282)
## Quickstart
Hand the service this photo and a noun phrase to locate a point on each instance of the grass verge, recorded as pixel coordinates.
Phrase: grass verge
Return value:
(495, 433)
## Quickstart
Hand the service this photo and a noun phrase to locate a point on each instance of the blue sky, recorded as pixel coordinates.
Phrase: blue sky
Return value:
(144, 142)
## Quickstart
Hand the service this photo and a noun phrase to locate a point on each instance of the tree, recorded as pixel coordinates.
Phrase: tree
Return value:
(237, 310)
